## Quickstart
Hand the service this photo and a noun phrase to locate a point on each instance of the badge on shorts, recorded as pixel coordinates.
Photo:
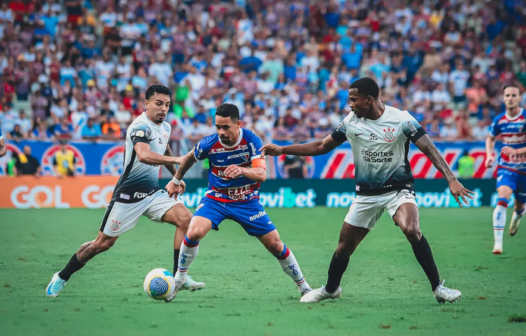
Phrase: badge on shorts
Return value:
(115, 224)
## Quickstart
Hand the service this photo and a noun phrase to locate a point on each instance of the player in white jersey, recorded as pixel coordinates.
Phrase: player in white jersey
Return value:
(379, 137)
(137, 192)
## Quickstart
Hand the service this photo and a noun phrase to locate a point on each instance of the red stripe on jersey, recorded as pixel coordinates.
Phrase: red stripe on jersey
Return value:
(226, 200)
(219, 148)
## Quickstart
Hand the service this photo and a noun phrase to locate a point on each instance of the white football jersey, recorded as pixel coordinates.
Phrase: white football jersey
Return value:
(380, 149)
(140, 180)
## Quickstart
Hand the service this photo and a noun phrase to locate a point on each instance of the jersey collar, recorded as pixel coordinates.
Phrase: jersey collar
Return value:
(513, 118)
(237, 142)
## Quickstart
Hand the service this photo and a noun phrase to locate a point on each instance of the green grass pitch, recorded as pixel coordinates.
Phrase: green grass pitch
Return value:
(385, 291)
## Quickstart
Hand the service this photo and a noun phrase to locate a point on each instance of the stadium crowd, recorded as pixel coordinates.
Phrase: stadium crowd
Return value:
(79, 69)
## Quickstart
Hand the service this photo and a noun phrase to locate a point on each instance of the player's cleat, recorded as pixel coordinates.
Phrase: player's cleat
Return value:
(192, 285)
(514, 224)
(304, 291)
(320, 294)
(497, 248)
(55, 286)
(443, 294)
(177, 288)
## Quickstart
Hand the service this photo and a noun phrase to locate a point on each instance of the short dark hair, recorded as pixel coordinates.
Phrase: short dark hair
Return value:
(366, 86)
(157, 88)
(510, 86)
(228, 111)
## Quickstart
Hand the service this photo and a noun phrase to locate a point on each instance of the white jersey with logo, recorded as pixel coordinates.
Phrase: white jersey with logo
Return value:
(140, 180)
(380, 149)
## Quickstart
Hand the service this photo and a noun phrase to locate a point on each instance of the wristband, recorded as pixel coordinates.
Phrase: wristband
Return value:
(176, 181)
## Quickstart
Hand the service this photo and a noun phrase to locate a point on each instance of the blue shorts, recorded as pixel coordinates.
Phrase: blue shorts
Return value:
(515, 181)
(250, 215)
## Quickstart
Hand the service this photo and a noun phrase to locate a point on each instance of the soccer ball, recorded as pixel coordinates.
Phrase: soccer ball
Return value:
(159, 283)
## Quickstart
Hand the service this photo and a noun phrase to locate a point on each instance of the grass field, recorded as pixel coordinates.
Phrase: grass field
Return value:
(385, 291)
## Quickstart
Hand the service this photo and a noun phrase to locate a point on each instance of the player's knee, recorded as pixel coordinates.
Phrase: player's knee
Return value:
(195, 233)
(412, 232)
(275, 247)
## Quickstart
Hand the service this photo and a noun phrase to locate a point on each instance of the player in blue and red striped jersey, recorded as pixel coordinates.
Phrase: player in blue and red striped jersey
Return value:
(236, 171)
(511, 169)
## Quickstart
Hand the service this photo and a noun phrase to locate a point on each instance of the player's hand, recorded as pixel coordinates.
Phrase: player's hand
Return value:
(183, 187)
(271, 149)
(174, 190)
(489, 161)
(509, 151)
(234, 171)
(459, 192)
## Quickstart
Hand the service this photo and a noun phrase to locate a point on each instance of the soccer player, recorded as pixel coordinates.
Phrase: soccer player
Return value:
(236, 170)
(511, 169)
(379, 137)
(137, 192)
(3, 147)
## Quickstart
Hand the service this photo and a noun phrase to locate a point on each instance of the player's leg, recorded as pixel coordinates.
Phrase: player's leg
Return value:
(506, 184)
(286, 259)
(361, 218)
(520, 199)
(408, 219)
(119, 218)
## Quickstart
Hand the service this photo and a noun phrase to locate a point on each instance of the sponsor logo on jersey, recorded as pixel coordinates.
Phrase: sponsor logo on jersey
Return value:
(140, 195)
(377, 157)
(115, 224)
(254, 151)
(222, 149)
(124, 196)
(243, 155)
(6, 158)
(389, 134)
(112, 161)
(373, 137)
(49, 154)
(511, 139)
(258, 215)
(412, 129)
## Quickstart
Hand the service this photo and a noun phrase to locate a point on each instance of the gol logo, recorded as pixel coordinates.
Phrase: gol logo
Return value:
(94, 196)
(49, 154)
(39, 196)
(3, 160)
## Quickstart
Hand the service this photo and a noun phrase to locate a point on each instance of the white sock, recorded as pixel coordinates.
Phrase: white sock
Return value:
(499, 220)
(189, 250)
(518, 215)
(290, 265)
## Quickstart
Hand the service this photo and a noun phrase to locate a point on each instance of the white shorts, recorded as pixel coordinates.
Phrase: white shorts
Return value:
(121, 217)
(365, 211)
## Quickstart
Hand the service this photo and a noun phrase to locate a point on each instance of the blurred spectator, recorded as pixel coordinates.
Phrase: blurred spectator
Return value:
(91, 131)
(16, 134)
(64, 161)
(64, 129)
(111, 129)
(466, 166)
(294, 166)
(40, 131)
(27, 164)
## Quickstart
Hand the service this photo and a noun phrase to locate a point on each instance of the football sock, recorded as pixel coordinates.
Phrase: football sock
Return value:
(499, 220)
(73, 265)
(189, 250)
(176, 260)
(336, 270)
(518, 214)
(423, 254)
(290, 265)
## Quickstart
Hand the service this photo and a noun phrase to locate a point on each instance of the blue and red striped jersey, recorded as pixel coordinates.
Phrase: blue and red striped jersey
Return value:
(513, 133)
(220, 187)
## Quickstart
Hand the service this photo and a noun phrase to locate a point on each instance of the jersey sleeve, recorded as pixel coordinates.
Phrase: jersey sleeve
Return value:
(141, 133)
(254, 145)
(412, 129)
(340, 133)
(494, 130)
(202, 148)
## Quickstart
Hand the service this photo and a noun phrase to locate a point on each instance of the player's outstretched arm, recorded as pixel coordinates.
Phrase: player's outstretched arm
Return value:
(146, 155)
(171, 168)
(176, 186)
(426, 145)
(490, 148)
(308, 149)
(3, 147)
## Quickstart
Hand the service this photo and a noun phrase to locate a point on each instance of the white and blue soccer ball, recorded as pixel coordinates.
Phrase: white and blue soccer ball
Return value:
(159, 283)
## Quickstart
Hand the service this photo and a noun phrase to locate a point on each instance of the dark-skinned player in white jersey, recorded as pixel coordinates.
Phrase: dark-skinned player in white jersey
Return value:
(379, 137)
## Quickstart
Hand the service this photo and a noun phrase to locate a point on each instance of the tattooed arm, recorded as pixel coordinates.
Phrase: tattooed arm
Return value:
(171, 168)
(426, 145)
(187, 163)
